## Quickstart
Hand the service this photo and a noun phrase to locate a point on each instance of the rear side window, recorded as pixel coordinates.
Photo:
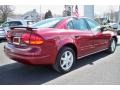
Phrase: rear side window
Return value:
(70, 25)
(77, 24)
(83, 25)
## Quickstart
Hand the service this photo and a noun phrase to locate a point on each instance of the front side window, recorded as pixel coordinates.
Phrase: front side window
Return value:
(47, 23)
(94, 26)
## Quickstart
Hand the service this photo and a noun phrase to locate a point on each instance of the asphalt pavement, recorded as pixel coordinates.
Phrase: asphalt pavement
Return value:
(97, 69)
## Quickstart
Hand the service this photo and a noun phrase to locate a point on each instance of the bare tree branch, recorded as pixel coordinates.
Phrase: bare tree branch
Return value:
(5, 11)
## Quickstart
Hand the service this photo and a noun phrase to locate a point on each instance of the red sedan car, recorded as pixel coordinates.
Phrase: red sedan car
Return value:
(59, 42)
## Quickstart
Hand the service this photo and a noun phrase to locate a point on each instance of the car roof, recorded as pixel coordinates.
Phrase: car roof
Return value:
(19, 20)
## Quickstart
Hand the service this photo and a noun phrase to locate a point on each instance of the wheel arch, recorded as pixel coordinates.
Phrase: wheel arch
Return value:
(115, 37)
(71, 45)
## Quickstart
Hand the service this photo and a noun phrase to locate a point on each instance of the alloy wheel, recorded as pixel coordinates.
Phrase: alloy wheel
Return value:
(113, 45)
(66, 60)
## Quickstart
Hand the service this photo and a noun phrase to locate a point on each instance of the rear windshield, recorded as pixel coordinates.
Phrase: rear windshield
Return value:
(47, 23)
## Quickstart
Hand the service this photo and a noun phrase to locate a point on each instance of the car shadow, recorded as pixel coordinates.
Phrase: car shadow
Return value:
(19, 74)
(90, 59)
(2, 40)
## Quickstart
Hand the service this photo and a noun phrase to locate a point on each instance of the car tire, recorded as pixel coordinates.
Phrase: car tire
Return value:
(118, 32)
(65, 60)
(0, 40)
(112, 46)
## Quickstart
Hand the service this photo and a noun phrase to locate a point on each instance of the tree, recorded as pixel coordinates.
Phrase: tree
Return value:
(48, 14)
(67, 11)
(5, 11)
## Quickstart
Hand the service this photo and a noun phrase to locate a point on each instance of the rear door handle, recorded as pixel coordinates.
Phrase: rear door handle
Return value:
(77, 36)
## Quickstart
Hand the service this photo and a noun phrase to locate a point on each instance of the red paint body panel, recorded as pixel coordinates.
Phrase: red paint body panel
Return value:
(86, 43)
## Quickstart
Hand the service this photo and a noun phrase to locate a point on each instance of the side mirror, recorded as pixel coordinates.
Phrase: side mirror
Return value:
(103, 28)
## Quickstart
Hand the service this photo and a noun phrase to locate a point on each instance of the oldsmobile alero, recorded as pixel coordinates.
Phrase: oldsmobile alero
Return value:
(58, 42)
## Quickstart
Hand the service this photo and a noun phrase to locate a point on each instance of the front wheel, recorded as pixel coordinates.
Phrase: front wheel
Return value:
(65, 60)
(112, 46)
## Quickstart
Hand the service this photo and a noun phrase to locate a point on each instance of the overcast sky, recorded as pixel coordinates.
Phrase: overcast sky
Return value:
(58, 9)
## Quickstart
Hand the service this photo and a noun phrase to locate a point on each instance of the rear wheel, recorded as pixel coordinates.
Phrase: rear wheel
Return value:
(65, 60)
(112, 46)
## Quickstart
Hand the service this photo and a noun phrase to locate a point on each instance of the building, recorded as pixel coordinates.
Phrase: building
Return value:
(89, 11)
(31, 15)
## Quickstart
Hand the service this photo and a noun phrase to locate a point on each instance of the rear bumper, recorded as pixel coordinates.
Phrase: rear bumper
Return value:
(28, 58)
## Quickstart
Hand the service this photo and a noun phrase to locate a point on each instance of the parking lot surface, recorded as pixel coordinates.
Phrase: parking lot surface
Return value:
(100, 68)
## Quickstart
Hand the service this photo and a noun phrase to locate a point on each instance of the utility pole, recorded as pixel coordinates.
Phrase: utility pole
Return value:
(119, 19)
(40, 13)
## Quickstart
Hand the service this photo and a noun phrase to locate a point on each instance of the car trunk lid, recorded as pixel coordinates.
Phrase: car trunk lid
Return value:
(14, 36)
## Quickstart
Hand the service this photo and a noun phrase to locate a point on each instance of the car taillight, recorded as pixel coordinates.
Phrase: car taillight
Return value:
(8, 34)
(36, 39)
(32, 39)
(26, 38)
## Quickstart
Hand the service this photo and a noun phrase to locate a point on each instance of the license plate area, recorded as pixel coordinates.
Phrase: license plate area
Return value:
(16, 40)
